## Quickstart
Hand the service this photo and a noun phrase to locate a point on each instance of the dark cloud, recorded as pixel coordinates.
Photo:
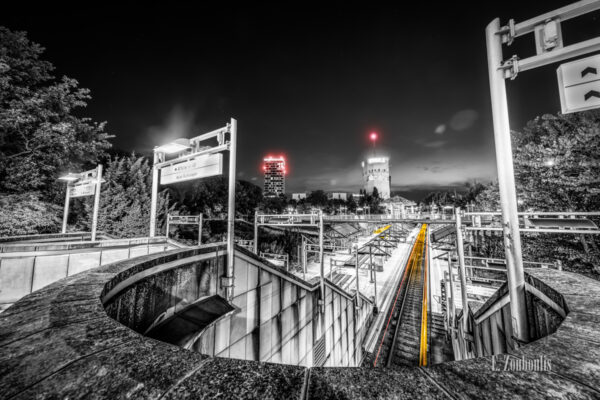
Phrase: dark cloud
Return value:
(463, 120)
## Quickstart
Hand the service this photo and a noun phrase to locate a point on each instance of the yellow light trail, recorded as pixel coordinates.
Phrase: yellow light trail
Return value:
(423, 349)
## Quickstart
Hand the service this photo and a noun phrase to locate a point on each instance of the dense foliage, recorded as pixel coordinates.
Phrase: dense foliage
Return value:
(125, 201)
(25, 214)
(40, 136)
(557, 168)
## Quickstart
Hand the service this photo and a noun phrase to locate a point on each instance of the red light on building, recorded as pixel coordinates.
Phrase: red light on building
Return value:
(373, 136)
(274, 171)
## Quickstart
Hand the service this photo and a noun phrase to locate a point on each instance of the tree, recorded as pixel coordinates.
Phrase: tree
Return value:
(318, 198)
(557, 168)
(557, 163)
(125, 201)
(351, 204)
(40, 137)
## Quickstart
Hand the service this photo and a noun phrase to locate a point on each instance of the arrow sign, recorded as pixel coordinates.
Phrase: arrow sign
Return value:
(589, 70)
(592, 93)
(579, 84)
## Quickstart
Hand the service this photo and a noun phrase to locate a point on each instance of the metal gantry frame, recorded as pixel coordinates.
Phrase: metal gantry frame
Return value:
(185, 220)
(187, 152)
(83, 180)
(314, 220)
(499, 70)
(570, 222)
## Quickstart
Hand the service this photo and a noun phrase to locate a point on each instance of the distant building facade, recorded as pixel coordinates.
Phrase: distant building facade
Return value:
(399, 207)
(376, 174)
(298, 196)
(338, 196)
(274, 170)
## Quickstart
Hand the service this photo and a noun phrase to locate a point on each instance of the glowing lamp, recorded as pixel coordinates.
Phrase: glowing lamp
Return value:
(176, 146)
(373, 136)
(70, 177)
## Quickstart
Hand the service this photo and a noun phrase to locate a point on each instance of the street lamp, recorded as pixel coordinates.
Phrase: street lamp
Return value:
(70, 177)
(176, 146)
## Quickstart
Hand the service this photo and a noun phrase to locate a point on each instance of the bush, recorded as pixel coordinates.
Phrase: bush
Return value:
(26, 214)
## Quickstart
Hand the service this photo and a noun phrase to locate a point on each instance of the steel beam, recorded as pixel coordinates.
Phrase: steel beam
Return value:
(565, 13)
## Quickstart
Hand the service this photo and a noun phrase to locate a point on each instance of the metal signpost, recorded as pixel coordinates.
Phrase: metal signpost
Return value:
(550, 49)
(196, 158)
(81, 185)
(185, 220)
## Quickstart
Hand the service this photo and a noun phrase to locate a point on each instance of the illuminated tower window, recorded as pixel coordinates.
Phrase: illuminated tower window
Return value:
(274, 170)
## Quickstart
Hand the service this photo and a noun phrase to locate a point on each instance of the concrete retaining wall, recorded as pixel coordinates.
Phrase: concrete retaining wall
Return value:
(26, 267)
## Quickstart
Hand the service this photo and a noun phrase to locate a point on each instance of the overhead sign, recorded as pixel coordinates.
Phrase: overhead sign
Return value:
(579, 84)
(86, 189)
(200, 167)
(184, 219)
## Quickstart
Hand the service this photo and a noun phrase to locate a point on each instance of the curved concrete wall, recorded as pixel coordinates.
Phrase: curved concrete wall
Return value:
(27, 265)
(59, 343)
(277, 318)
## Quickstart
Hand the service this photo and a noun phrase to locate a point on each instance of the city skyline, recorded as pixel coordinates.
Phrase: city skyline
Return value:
(310, 84)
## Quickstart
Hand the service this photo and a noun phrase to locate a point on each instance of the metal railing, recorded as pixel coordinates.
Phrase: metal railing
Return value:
(285, 258)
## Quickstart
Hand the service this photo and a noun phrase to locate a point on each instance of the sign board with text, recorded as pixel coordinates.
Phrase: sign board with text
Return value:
(82, 190)
(184, 219)
(579, 84)
(200, 167)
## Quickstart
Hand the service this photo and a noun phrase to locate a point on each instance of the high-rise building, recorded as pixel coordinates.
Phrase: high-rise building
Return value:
(376, 174)
(274, 170)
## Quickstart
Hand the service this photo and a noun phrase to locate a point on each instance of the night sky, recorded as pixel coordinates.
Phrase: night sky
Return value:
(307, 80)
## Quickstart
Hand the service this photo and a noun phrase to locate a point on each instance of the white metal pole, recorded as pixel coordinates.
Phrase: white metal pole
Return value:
(231, 205)
(96, 201)
(374, 277)
(451, 281)
(357, 286)
(168, 226)
(461, 268)
(154, 197)
(506, 182)
(304, 257)
(66, 212)
(200, 230)
(321, 267)
(255, 232)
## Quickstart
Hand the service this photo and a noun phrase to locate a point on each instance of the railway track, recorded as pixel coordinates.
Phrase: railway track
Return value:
(404, 339)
